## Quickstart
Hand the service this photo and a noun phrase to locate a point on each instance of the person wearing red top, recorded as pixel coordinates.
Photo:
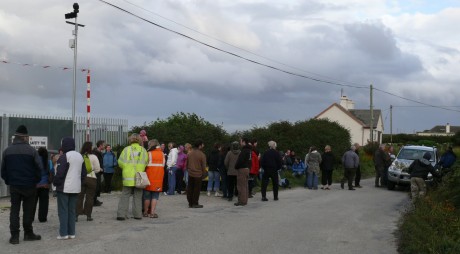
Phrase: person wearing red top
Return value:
(155, 172)
(254, 172)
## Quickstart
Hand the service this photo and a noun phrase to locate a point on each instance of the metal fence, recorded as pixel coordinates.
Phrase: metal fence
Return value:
(112, 131)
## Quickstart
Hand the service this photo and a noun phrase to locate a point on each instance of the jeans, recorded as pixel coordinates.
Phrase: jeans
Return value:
(311, 180)
(213, 177)
(27, 197)
(171, 180)
(67, 203)
(186, 178)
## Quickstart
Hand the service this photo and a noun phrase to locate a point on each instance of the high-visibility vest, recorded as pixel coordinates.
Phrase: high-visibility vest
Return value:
(155, 170)
(133, 159)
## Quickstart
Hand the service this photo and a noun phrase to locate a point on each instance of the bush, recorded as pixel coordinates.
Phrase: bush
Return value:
(371, 147)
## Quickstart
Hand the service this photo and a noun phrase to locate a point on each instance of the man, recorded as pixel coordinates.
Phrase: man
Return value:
(196, 166)
(381, 160)
(271, 162)
(418, 171)
(255, 166)
(350, 162)
(242, 166)
(110, 162)
(98, 152)
(447, 160)
(172, 168)
(358, 169)
(133, 159)
(21, 170)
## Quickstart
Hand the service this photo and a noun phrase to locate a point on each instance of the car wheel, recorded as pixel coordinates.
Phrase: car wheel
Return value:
(391, 185)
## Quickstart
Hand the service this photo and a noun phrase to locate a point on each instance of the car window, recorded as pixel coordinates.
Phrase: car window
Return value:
(413, 154)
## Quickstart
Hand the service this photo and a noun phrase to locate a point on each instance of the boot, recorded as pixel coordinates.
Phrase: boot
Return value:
(31, 236)
(14, 238)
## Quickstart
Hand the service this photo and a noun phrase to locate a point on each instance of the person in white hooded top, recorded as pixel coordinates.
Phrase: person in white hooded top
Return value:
(172, 168)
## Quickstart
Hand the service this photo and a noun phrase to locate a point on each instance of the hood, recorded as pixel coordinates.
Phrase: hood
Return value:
(67, 144)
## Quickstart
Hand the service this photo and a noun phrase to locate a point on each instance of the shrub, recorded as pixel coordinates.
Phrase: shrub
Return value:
(370, 148)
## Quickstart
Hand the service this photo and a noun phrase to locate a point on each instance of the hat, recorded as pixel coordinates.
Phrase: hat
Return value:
(21, 131)
(427, 156)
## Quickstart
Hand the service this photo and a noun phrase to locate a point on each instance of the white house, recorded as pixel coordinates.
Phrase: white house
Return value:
(357, 121)
(440, 130)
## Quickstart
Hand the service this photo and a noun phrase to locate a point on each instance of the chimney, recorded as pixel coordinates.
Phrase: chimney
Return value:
(346, 103)
(447, 128)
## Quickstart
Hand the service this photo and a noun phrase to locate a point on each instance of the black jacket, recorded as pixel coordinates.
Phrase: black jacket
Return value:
(213, 160)
(244, 159)
(327, 162)
(271, 160)
(421, 168)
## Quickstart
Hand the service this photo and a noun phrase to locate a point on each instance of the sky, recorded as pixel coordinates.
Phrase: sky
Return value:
(141, 72)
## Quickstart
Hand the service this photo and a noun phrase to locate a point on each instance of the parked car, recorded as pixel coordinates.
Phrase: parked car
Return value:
(397, 172)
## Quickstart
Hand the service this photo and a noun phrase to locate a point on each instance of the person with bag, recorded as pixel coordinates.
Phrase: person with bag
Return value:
(133, 159)
(88, 188)
(110, 162)
(155, 173)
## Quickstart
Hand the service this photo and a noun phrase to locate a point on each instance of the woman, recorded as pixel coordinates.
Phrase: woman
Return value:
(110, 162)
(155, 172)
(312, 159)
(181, 160)
(133, 158)
(327, 165)
(230, 161)
(213, 171)
(88, 188)
(70, 173)
(43, 187)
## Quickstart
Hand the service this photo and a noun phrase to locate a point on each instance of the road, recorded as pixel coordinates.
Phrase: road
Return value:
(302, 221)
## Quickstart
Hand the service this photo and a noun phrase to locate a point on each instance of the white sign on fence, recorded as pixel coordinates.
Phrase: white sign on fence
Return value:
(36, 142)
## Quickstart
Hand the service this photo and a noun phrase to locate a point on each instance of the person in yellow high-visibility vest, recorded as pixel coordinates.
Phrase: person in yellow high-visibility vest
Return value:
(133, 158)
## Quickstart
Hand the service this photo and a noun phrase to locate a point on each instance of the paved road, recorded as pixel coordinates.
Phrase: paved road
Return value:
(302, 221)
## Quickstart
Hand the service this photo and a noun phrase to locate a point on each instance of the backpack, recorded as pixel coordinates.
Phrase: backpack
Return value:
(88, 166)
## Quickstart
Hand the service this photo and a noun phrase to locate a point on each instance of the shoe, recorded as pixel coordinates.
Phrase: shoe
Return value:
(71, 236)
(322, 188)
(121, 218)
(62, 237)
(251, 196)
(264, 199)
(218, 194)
(197, 206)
(358, 186)
(351, 189)
(327, 188)
(42, 220)
(89, 218)
(342, 185)
(166, 194)
(31, 237)
(98, 203)
(209, 194)
(230, 199)
(14, 239)
(239, 204)
(138, 218)
(275, 199)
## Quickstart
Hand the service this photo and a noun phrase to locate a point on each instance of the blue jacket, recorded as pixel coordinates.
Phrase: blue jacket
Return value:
(447, 159)
(298, 167)
(109, 162)
(21, 165)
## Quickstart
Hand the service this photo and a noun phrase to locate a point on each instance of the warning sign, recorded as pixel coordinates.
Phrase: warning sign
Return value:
(37, 142)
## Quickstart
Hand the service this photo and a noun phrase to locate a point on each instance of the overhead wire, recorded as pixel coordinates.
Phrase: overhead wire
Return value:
(342, 84)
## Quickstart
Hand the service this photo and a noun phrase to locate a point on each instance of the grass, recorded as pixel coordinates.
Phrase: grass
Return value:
(432, 224)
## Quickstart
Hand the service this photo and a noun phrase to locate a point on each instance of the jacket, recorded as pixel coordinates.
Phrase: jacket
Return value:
(244, 159)
(109, 161)
(45, 175)
(327, 162)
(196, 163)
(381, 159)
(230, 161)
(99, 157)
(447, 159)
(181, 159)
(213, 160)
(298, 167)
(271, 160)
(21, 165)
(155, 170)
(70, 169)
(255, 164)
(133, 158)
(313, 159)
(172, 158)
(350, 159)
(421, 168)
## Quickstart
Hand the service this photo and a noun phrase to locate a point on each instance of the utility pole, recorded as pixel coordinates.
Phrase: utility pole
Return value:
(391, 124)
(371, 127)
(73, 44)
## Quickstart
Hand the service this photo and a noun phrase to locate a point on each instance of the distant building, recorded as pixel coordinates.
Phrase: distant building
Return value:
(440, 130)
(357, 121)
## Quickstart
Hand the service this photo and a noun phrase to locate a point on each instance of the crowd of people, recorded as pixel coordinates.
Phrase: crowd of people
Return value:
(76, 177)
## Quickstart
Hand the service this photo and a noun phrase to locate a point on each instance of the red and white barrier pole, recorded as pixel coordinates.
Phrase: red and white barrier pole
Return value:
(88, 103)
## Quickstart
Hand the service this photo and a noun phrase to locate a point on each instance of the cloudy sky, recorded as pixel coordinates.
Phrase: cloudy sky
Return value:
(142, 72)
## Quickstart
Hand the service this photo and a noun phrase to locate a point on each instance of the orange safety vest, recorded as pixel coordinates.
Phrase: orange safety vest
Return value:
(155, 170)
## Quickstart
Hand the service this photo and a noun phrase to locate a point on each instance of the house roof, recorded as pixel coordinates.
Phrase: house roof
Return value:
(442, 129)
(362, 116)
(365, 115)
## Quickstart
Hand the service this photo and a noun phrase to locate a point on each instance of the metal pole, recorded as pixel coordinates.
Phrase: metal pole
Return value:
(372, 119)
(74, 78)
